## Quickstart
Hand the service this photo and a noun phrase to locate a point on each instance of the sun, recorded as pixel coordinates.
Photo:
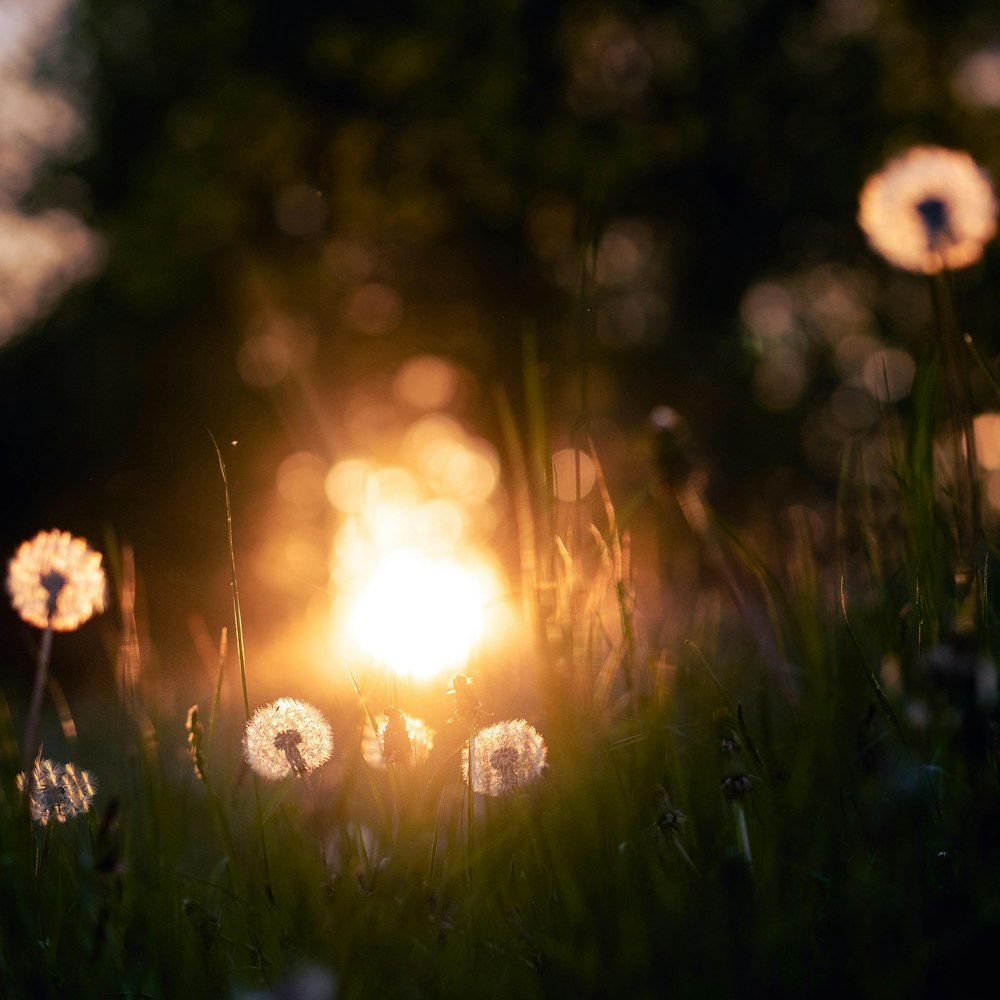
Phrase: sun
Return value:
(420, 614)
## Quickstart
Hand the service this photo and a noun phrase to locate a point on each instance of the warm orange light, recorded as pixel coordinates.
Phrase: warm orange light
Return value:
(416, 590)
(573, 474)
(421, 615)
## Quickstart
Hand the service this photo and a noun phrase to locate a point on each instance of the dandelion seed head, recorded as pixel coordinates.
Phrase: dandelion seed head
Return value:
(56, 581)
(505, 756)
(287, 736)
(57, 791)
(929, 209)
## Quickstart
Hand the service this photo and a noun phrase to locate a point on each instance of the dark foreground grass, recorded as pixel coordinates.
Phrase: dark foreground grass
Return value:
(800, 799)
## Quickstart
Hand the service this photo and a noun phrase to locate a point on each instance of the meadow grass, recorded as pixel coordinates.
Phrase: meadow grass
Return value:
(798, 798)
(726, 818)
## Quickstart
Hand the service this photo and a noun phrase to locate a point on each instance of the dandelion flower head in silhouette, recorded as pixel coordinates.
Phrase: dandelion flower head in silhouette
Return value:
(505, 756)
(929, 209)
(285, 737)
(57, 791)
(56, 581)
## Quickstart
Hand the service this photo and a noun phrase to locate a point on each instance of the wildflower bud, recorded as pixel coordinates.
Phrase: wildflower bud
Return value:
(403, 739)
(467, 709)
(395, 739)
(668, 819)
(736, 787)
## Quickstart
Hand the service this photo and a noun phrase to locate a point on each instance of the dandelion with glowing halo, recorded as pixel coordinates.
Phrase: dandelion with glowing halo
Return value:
(286, 737)
(505, 756)
(933, 210)
(56, 583)
(929, 209)
(56, 791)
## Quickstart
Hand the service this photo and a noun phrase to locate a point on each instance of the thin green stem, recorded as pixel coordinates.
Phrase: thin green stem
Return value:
(217, 697)
(30, 749)
(743, 834)
(241, 651)
(238, 617)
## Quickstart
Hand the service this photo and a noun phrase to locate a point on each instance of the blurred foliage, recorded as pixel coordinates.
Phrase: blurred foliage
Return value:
(470, 168)
(456, 146)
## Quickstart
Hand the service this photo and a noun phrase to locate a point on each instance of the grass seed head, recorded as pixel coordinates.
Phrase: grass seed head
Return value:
(195, 736)
(57, 791)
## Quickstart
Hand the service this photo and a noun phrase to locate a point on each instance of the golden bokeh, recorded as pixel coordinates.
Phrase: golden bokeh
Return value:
(573, 474)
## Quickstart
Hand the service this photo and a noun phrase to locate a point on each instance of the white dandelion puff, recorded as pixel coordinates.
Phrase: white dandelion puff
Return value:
(505, 756)
(929, 209)
(56, 581)
(285, 737)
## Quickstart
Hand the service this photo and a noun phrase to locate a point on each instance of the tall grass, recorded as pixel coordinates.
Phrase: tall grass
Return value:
(801, 798)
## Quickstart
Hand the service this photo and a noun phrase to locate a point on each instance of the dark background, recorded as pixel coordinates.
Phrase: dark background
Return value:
(257, 163)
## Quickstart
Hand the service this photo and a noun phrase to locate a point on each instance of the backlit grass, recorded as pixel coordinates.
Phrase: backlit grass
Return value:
(798, 797)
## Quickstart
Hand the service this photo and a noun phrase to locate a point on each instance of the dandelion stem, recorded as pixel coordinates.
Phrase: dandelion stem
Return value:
(684, 854)
(435, 838)
(30, 748)
(743, 834)
(470, 800)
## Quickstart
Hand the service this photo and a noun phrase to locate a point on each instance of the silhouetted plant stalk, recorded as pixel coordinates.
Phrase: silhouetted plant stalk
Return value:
(468, 714)
(736, 787)
(470, 797)
(30, 748)
(969, 528)
(55, 583)
(241, 650)
(196, 750)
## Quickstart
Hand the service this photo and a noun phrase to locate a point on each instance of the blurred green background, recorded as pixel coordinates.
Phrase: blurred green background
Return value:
(269, 207)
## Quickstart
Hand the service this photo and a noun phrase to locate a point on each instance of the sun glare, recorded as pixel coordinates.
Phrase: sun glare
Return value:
(421, 615)
(417, 592)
